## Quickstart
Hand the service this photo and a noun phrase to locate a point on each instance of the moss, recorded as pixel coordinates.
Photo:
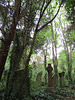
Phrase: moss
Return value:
(19, 85)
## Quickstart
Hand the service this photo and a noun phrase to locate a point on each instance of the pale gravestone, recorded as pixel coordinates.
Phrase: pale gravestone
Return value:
(39, 79)
(49, 69)
(61, 75)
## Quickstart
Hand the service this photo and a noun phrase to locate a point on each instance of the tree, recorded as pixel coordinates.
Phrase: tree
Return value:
(17, 13)
(9, 36)
(54, 52)
(68, 47)
(27, 27)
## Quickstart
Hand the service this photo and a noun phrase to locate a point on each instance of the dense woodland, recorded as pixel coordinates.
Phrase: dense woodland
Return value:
(37, 49)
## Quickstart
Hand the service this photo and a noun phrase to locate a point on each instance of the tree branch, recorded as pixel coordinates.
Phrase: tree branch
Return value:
(42, 12)
(51, 19)
(45, 7)
(36, 31)
(42, 6)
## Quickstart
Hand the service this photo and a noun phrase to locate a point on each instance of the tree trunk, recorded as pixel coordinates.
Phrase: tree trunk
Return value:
(24, 57)
(70, 67)
(18, 83)
(68, 55)
(45, 57)
(68, 63)
(54, 48)
(9, 37)
(55, 62)
(53, 45)
(5, 49)
(45, 61)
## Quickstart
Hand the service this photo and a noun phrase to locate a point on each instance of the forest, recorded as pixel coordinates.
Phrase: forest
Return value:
(37, 49)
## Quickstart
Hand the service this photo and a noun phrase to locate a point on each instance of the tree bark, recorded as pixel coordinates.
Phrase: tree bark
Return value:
(5, 49)
(53, 49)
(54, 52)
(9, 37)
(70, 67)
(55, 43)
(15, 74)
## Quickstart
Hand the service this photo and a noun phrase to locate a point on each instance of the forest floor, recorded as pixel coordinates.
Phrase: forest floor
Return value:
(59, 94)
(39, 93)
(66, 93)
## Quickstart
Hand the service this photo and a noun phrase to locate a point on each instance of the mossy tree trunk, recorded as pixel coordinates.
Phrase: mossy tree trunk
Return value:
(18, 80)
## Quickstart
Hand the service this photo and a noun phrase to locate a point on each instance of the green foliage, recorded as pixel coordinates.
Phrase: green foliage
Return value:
(60, 94)
(64, 92)
(43, 37)
(2, 86)
(63, 65)
(70, 4)
(62, 62)
(36, 69)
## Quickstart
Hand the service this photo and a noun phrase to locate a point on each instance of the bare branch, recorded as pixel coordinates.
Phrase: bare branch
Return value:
(51, 19)
(45, 7)
(42, 12)
(42, 6)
